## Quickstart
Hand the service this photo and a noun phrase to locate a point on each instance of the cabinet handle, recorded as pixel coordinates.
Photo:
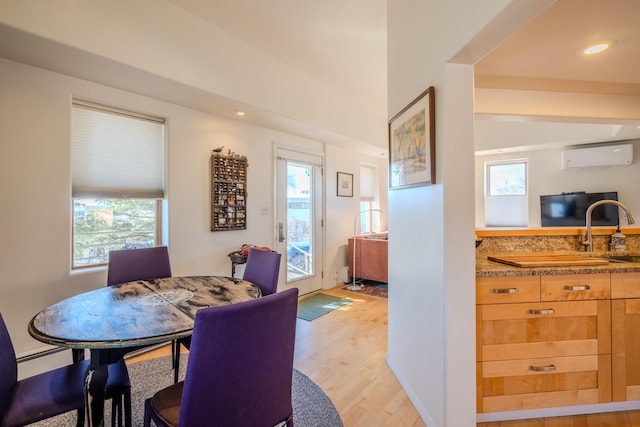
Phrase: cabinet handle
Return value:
(548, 368)
(545, 311)
(504, 291)
(577, 288)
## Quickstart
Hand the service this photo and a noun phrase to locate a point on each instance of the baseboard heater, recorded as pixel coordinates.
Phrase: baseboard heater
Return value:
(41, 352)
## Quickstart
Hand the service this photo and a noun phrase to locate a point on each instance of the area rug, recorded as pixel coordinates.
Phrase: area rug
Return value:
(317, 305)
(371, 288)
(311, 406)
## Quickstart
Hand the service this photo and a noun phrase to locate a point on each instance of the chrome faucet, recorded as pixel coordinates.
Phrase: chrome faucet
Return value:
(588, 238)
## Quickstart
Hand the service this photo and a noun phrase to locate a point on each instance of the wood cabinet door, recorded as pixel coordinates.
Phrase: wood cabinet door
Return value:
(625, 315)
(625, 339)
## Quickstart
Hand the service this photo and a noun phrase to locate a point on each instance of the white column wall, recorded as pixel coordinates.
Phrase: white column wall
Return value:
(431, 260)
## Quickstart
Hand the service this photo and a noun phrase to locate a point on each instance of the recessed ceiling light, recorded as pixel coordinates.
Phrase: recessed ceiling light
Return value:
(596, 48)
(239, 113)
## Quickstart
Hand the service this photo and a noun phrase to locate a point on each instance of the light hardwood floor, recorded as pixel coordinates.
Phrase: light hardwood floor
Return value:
(344, 353)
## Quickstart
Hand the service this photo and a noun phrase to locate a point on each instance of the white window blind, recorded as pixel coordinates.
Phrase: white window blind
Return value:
(506, 203)
(367, 184)
(115, 153)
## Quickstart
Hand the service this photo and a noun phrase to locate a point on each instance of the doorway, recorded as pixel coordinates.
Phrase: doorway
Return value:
(299, 207)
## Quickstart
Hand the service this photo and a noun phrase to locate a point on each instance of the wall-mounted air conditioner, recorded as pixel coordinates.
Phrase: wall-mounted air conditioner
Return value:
(604, 155)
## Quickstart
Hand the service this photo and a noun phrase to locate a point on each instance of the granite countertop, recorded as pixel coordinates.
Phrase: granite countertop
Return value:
(487, 268)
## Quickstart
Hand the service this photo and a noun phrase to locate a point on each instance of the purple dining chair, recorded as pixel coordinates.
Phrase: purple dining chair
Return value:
(53, 392)
(127, 265)
(240, 367)
(262, 269)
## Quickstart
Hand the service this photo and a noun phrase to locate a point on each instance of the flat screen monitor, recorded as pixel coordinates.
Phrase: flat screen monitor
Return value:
(570, 209)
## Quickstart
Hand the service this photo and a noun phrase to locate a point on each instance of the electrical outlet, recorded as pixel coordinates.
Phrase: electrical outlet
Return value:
(264, 210)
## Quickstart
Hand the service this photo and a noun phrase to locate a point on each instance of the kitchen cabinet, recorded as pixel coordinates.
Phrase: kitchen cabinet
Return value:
(625, 322)
(543, 341)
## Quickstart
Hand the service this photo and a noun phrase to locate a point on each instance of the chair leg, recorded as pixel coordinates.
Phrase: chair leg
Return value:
(80, 418)
(127, 408)
(176, 362)
(147, 413)
(121, 402)
(116, 410)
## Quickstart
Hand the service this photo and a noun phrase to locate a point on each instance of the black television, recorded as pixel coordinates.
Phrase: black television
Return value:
(570, 209)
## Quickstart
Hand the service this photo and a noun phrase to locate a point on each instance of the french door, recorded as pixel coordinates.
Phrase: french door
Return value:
(299, 235)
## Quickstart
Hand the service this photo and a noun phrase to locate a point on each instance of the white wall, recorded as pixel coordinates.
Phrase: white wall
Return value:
(35, 190)
(341, 211)
(546, 176)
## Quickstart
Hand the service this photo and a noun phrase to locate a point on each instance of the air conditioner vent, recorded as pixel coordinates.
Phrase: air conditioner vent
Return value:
(604, 155)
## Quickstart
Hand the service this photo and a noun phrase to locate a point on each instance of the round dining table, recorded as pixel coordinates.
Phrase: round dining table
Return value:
(115, 320)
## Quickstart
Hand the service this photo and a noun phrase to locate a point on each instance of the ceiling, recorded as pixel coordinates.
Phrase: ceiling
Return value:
(344, 44)
(546, 54)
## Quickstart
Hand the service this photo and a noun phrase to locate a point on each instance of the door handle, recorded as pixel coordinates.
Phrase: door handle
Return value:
(280, 232)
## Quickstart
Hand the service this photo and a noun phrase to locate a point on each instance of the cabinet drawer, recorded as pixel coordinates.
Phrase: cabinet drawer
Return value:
(543, 383)
(625, 285)
(542, 367)
(571, 287)
(498, 290)
(556, 328)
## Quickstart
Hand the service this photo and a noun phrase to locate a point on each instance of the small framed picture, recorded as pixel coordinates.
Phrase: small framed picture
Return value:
(412, 143)
(345, 184)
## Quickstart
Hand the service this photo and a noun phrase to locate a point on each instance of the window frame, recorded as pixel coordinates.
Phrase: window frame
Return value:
(157, 196)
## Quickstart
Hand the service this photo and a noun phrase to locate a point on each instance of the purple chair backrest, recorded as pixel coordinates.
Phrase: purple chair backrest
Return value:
(8, 368)
(128, 265)
(262, 269)
(241, 363)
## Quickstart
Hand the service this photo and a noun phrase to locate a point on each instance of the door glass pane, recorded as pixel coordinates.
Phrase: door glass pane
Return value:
(299, 221)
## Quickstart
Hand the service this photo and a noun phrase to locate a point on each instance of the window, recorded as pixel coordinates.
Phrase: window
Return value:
(368, 181)
(506, 201)
(117, 165)
(507, 179)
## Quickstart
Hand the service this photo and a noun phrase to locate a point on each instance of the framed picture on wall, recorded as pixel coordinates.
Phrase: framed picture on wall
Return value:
(345, 184)
(412, 143)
